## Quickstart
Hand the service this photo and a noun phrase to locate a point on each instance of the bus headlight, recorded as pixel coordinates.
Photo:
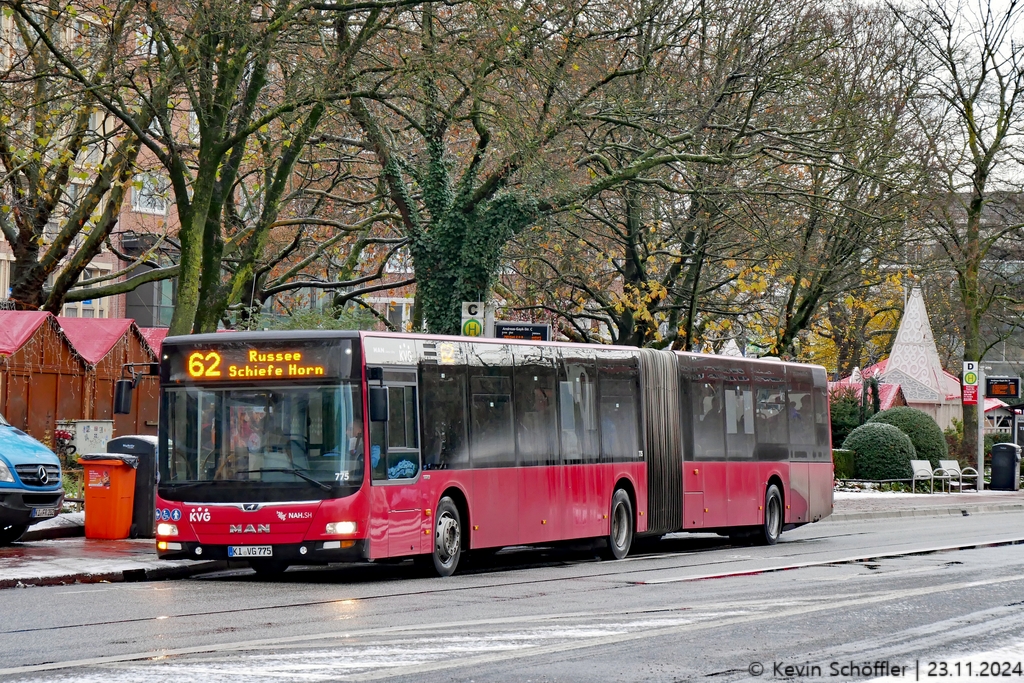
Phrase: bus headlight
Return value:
(163, 529)
(5, 473)
(341, 528)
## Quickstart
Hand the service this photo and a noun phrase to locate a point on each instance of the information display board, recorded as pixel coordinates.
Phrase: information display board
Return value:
(1002, 387)
(528, 331)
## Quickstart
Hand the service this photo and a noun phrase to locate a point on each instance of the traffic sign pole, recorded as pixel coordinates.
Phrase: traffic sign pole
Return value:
(981, 430)
(974, 396)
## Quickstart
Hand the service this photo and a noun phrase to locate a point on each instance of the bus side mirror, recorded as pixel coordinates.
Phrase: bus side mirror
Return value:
(123, 396)
(378, 404)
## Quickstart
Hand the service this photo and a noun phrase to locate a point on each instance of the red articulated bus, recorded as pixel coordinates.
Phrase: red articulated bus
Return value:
(285, 448)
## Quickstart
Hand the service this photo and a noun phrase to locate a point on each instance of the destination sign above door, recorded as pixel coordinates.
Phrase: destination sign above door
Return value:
(240, 362)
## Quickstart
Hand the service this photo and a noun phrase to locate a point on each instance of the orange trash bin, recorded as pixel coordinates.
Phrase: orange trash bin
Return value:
(109, 494)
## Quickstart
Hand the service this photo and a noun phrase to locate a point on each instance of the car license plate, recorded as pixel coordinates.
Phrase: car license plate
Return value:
(250, 551)
(41, 513)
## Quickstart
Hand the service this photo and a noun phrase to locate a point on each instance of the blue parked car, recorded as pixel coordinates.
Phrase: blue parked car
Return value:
(30, 485)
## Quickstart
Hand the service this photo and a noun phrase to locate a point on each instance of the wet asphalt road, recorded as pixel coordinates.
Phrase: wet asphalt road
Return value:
(839, 598)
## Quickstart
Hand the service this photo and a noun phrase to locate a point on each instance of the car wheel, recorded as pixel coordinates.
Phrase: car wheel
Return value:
(11, 533)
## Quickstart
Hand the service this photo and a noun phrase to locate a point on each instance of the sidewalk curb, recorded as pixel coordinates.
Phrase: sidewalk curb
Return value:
(956, 511)
(120, 576)
(53, 533)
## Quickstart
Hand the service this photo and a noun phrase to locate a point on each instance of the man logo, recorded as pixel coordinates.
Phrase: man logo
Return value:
(249, 529)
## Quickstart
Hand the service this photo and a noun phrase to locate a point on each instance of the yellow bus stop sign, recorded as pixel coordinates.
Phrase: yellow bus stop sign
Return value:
(472, 328)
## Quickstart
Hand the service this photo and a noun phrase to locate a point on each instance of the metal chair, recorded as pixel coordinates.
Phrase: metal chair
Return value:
(921, 471)
(954, 471)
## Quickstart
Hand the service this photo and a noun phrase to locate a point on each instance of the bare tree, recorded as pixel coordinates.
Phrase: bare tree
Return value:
(971, 111)
(65, 166)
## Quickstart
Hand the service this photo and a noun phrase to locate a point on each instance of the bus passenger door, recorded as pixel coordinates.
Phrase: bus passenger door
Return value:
(395, 467)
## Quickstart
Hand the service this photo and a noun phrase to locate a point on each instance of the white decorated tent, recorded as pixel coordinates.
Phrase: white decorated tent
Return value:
(914, 366)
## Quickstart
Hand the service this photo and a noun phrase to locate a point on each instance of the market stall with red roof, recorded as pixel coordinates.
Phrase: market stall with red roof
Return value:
(42, 376)
(107, 345)
(154, 337)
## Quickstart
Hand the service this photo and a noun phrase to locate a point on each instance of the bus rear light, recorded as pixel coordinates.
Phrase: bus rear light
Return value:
(164, 529)
(340, 528)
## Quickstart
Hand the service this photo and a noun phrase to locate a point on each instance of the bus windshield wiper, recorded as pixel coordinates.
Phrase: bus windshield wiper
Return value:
(297, 473)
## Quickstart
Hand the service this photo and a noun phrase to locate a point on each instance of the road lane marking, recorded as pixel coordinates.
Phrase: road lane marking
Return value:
(822, 563)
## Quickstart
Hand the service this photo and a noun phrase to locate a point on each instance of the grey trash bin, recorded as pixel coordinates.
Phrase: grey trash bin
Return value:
(1005, 467)
(144, 507)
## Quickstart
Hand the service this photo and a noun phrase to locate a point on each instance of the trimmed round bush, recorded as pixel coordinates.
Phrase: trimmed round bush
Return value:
(843, 461)
(880, 451)
(924, 433)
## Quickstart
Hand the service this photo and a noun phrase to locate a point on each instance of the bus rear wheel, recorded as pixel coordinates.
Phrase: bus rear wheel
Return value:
(771, 529)
(620, 534)
(447, 538)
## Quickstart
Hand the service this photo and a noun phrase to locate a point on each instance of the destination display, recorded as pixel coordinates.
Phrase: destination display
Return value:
(530, 331)
(258, 362)
(1002, 387)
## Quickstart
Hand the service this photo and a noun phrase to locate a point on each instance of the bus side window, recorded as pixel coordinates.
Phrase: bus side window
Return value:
(821, 425)
(577, 411)
(491, 443)
(378, 450)
(708, 410)
(739, 420)
(403, 456)
(534, 397)
(617, 384)
(443, 416)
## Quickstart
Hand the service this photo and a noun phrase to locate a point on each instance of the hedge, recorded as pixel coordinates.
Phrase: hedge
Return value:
(842, 460)
(924, 433)
(880, 451)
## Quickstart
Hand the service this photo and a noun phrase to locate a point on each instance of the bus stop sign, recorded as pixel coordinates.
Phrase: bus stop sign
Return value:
(472, 319)
(970, 383)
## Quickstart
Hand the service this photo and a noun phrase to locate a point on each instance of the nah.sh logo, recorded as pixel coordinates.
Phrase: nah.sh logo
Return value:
(285, 516)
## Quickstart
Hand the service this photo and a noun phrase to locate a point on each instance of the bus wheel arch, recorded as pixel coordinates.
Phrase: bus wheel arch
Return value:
(627, 486)
(776, 479)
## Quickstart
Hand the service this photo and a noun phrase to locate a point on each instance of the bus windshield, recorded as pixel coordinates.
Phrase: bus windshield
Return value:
(307, 437)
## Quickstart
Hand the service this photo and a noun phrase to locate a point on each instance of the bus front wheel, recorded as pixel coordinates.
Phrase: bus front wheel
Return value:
(771, 529)
(447, 538)
(620, 535)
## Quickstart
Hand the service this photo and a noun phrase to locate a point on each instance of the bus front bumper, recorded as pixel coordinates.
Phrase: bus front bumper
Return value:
(307, 552)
